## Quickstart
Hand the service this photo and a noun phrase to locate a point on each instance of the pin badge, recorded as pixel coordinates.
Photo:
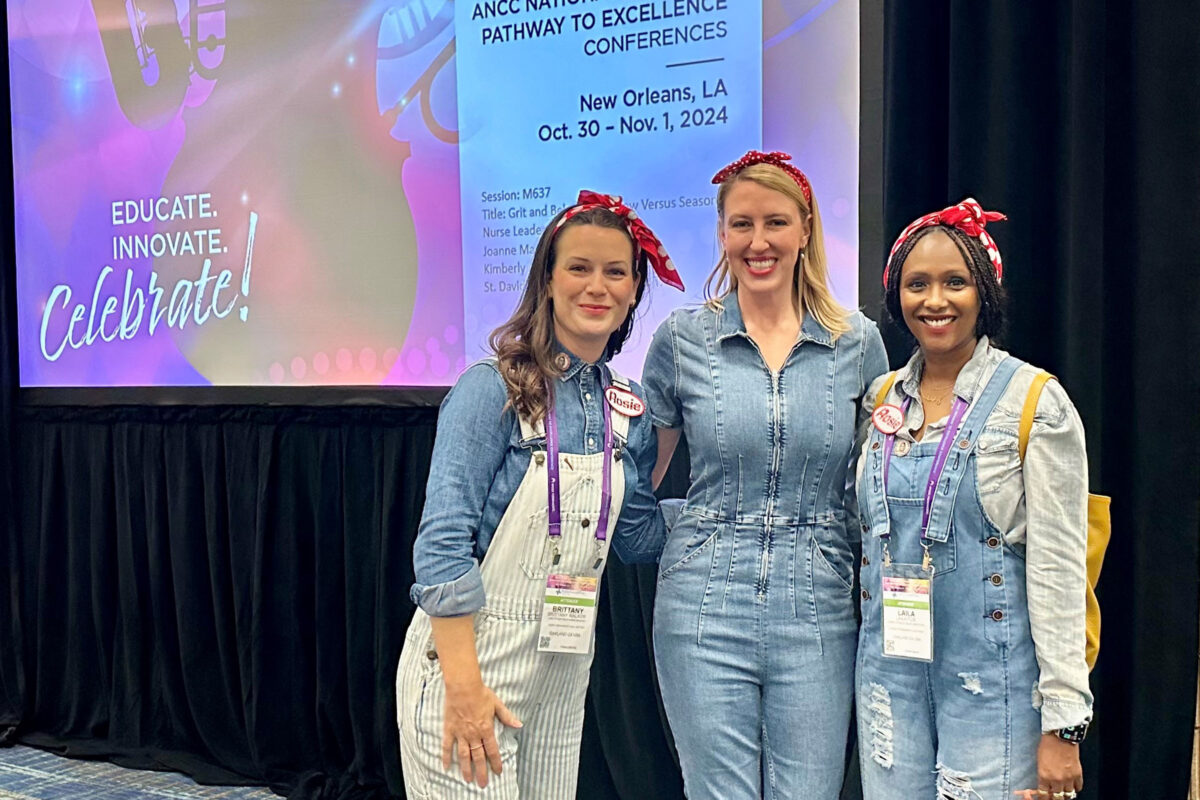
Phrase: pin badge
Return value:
(888, 418)
(624, 402)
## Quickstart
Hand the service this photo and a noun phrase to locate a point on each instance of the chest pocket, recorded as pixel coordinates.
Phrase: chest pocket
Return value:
(997, 460)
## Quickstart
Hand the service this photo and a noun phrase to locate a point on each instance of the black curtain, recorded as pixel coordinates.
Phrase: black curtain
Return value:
(224, 591)
(12, 690)
(1080, 120)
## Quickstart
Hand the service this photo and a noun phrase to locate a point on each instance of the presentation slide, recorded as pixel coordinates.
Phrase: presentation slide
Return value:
(325, 192)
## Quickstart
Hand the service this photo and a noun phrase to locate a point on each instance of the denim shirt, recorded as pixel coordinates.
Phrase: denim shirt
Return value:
(1040, 508)
(479, 461)
(767, 448)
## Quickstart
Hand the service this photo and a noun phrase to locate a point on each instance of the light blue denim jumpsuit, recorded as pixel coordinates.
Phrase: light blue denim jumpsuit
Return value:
(962, 727)
(754, 626)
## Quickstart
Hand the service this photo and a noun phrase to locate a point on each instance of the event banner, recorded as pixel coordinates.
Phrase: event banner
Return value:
(307, 192)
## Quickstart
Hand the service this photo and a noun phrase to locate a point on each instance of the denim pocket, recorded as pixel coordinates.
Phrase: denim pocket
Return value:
(688, 540)
(836, 555)
(537, 554)
(997, 460)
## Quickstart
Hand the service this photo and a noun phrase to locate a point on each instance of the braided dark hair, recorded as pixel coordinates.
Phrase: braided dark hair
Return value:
(992, 300)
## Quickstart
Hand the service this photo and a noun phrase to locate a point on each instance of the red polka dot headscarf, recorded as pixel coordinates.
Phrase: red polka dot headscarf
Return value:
(775, 158)
(643, 237)
(969, 218)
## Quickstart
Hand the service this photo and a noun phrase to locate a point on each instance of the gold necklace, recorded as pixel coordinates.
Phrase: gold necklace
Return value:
(931, 399)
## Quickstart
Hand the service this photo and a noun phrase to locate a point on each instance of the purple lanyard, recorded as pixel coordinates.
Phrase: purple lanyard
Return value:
(957, 412)
(554, 511)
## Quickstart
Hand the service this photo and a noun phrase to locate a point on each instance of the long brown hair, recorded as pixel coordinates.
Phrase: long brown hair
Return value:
(810, 287)
(524, 345)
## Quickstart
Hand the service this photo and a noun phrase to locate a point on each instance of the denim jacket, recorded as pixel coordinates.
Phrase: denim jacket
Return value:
(1040, 507)
(479, 461)
(767, 448)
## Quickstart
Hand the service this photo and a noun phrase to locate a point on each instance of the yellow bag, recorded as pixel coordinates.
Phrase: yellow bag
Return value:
(1099, 519)
(1099, 523)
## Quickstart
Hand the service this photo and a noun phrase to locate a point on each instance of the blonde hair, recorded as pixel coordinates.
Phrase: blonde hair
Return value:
(810, 289)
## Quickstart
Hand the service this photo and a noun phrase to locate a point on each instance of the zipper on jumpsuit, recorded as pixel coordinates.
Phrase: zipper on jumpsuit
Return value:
(766, 539)
(766, 543)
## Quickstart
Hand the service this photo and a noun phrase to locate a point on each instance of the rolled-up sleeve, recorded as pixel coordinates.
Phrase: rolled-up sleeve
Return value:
(660, 376)
(1055, 477)
(640, 533)
(473, 433)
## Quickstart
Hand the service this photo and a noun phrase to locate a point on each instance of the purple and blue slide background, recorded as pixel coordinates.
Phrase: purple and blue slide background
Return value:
(333, 125)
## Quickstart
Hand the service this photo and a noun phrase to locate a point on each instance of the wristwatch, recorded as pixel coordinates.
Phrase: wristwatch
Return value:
(1074, 734)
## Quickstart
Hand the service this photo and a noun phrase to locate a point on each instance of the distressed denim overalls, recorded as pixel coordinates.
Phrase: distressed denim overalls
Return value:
(963, 727)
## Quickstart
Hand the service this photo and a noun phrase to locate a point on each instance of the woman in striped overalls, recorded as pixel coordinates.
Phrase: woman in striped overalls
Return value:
(542, 460)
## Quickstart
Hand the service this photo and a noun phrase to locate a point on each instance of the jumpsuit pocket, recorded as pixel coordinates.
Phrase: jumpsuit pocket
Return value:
(835, 555)
(689, 538)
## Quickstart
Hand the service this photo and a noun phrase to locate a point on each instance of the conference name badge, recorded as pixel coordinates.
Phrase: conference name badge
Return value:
(624, 402)
(568, 614)
(888, 418)
(907, 612)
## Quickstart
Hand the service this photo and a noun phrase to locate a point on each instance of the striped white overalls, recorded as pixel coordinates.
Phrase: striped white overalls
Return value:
(545, 690)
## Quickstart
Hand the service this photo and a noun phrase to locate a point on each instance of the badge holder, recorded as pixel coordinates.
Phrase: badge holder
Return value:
(907, 599)
(569, 603)
(907, 589)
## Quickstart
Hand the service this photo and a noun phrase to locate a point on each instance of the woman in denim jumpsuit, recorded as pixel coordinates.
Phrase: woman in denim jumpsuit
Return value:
(1005, 699)
(477, 682)
(754, 625)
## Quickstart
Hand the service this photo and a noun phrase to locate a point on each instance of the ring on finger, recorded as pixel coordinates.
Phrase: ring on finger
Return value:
(1058, 795)
(480, 747)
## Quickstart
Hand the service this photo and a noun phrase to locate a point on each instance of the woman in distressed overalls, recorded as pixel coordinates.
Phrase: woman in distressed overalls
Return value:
(971, 680)
(754, 627)
(543, 458)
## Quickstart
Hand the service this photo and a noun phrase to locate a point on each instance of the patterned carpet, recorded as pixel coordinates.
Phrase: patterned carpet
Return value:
(29, 774)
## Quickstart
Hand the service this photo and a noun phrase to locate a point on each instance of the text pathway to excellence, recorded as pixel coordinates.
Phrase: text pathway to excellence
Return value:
(642, 99)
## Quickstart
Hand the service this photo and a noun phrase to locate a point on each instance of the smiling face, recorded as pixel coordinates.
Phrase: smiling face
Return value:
(592, 286)
(763, 233)
(939, 298)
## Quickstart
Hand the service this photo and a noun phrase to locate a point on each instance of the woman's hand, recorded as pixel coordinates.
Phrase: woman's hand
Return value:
(1060, 775)
(470, 706)
(469, 714)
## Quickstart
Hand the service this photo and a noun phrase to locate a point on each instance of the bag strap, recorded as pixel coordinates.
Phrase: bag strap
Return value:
(1031, 401)
(887, 387)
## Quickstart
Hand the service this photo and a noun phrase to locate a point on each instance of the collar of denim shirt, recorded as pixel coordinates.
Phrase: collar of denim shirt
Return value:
(966, 385)
(730, 323)
(577, 363)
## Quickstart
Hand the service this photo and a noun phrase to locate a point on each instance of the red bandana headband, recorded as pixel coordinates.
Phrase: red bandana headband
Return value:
(776, 158)
(969, 218)
(643, 237)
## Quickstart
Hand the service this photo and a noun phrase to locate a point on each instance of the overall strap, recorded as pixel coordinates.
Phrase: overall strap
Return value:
(531, 433)
(968, 436)
(620, 422)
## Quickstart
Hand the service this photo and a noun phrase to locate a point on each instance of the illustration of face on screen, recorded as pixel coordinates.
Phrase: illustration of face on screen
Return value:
(322, 193)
